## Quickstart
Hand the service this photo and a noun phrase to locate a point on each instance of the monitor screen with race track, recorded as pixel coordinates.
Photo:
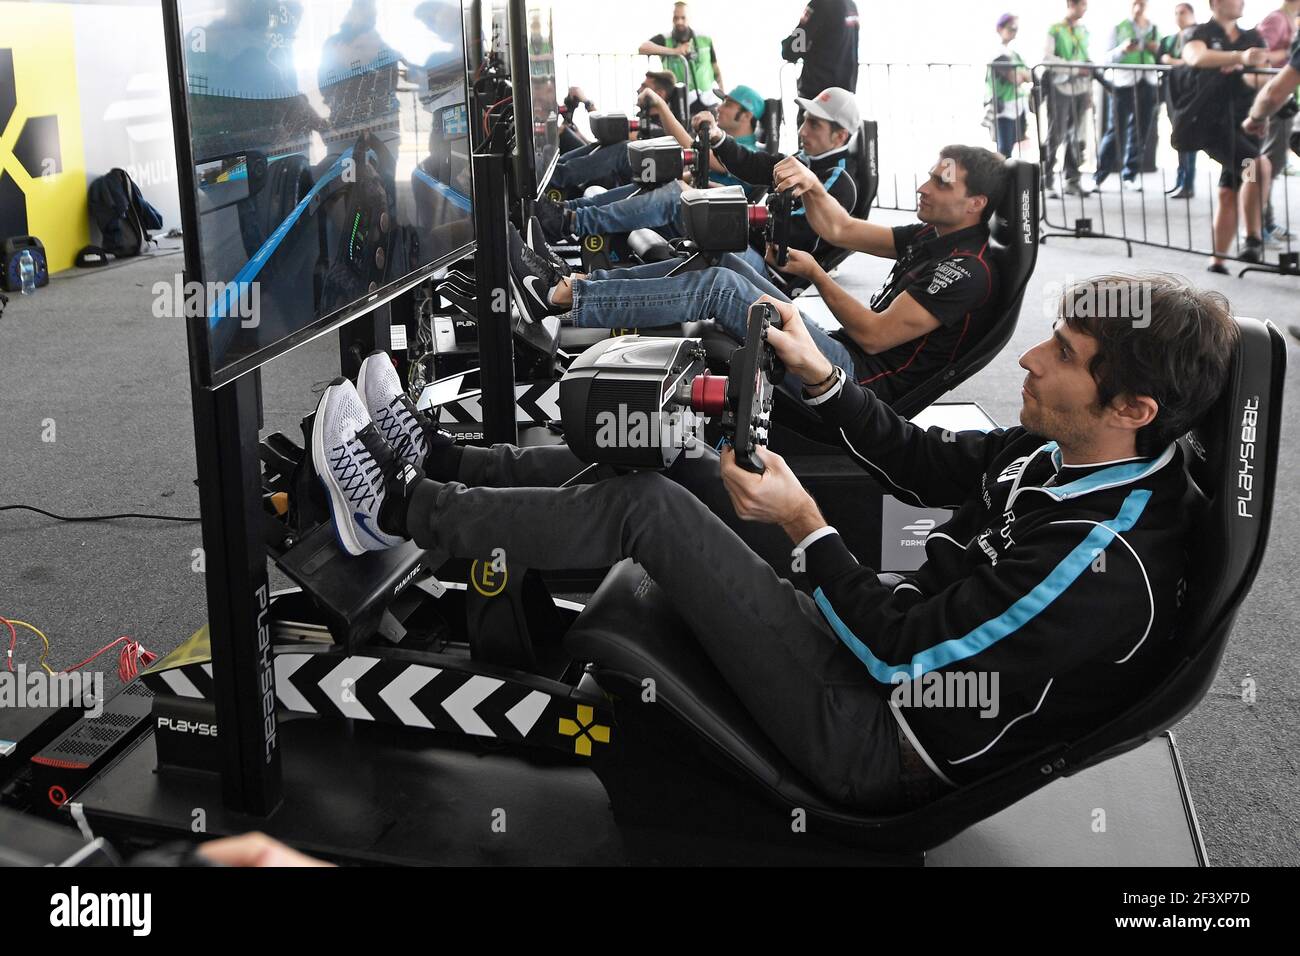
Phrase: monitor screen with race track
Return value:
(325, 163)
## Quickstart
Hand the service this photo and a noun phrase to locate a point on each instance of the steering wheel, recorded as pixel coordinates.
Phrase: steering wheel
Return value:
(755, 372)
(778, 223)
(703, 150)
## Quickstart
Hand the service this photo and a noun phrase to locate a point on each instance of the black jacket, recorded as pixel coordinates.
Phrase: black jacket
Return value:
(755, 166)
(826, 39)
(1063, 581)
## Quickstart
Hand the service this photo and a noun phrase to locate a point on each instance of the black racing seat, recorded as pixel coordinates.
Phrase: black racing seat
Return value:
(770, 125)
(697, 744)
(1013, 247)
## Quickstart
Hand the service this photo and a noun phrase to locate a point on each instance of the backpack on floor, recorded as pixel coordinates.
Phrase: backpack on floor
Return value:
(122, 215)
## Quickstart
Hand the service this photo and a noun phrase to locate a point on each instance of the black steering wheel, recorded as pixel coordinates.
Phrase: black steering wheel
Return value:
(779, 206)
(703, 150)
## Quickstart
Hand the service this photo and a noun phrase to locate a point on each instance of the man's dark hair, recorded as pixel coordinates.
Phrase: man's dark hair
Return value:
(986, 173)
(1179, 6)
(663, 82)
(1159, 336)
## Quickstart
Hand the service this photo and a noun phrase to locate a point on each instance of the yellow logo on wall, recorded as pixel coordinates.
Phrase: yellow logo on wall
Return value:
(42, 163)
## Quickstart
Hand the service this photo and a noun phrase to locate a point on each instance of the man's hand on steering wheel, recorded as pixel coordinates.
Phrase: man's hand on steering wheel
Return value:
(797, 263)
(792, 174)
(705, 118)
(651, 100)
(774, 497)
(795, 347)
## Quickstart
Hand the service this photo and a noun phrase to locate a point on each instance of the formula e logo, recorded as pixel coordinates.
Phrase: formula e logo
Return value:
(1246, 458)
(921, 527)
(594, 243)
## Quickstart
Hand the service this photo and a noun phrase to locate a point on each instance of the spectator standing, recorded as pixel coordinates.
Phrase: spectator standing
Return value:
(688, 49)
(1219, 50)
(1007, 74)
(1171, 54)
(826, 39)
(1069, 98)
(1279, 31)
(1133, 42)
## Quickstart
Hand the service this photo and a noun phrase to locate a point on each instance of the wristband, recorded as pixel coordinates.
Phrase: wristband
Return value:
(826, 381)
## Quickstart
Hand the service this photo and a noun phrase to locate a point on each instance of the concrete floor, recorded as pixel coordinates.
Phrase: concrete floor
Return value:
(88, 355)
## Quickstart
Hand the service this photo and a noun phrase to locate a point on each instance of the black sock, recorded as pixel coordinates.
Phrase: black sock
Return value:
(442, 463)
(398, 490)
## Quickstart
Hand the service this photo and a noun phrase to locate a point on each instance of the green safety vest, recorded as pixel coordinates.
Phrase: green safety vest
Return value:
(1126, 32)
(701, 68)
(998, 88)
(1071, 44)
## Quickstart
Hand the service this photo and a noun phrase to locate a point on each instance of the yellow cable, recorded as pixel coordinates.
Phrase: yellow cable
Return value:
(37, 631)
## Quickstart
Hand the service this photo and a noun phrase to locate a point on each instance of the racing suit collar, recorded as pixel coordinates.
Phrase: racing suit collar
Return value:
(828, 158)
(1073, 481)
(972, 236)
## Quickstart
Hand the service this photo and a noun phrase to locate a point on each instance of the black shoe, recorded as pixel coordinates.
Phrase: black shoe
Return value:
(532, 278)
(1218, 268)
(550, 216)
(537, 241)
(1183, 193)
(1252, 250)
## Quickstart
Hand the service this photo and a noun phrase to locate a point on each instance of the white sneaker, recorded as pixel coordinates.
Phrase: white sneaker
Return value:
(407, 430)
(351, 458)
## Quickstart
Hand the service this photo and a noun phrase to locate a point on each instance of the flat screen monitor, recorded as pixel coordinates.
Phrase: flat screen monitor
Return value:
(541, 73)
(325, 164)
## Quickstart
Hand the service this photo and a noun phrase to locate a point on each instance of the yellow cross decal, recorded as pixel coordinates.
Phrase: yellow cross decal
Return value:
(585, 730)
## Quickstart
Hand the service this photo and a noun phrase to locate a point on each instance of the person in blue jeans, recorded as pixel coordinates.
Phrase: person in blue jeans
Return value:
(939, 298)
(584, 166)
(625, 208)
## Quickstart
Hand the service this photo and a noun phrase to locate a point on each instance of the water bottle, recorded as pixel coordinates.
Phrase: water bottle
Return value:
(27, 271)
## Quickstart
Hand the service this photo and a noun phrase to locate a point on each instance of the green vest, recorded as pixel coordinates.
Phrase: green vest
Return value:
(1071, 44)
(1126, 32)
(999, 89)
(701, 67)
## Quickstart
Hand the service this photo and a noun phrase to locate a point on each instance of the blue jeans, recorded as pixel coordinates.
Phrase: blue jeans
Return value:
(604, 163)
(1132, 115)
(603, 199)
(1186, 170)
(652, 209)
(645, 296)
(1009, 132)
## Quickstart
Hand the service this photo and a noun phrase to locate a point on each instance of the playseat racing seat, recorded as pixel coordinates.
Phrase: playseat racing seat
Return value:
(696, 755)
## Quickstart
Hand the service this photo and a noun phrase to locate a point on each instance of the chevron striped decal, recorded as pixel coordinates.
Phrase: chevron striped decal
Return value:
(534, 404)
(412, 695)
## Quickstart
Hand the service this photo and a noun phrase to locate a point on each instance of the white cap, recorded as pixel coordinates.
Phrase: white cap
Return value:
(836, 105)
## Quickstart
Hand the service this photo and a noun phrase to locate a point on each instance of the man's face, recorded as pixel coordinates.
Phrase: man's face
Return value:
(1077, 9)
(816, 136)
(942, 199)
(1059, 395)
(1229, 9)
(680, 23)
(1139, 9)
(732, 118)
(1186, 17)
(1008, 32)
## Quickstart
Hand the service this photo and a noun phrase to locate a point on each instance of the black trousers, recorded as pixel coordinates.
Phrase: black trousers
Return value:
(731, 579)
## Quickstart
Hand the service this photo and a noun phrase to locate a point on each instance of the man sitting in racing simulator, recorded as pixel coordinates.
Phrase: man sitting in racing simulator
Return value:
(1056, 583)
(580, 168)
(938, 299)
(626, 208)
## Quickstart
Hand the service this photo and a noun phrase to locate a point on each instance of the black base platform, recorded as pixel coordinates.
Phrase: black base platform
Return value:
(365, 793)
